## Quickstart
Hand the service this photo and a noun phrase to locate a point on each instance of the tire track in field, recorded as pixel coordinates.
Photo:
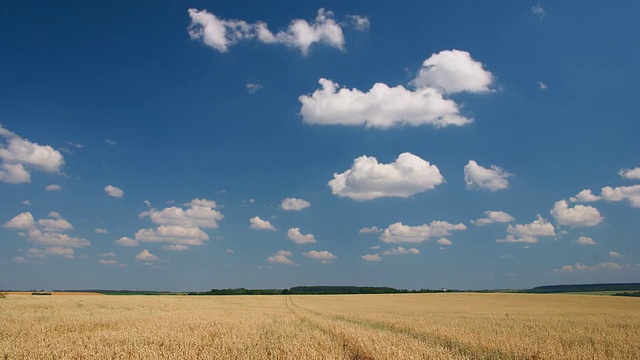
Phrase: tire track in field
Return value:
(428, 338)
(353, 350)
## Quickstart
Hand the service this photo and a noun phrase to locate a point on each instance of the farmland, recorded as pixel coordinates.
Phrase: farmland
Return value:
(398, 326)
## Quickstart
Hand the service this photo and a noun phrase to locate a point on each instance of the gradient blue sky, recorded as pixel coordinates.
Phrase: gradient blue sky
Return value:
(174, 145)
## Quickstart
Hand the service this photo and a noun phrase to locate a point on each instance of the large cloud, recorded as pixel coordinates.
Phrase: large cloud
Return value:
(529, 233)
(367, 179)
(493, 217)
(493, 179)
(18, 154)
(453, 71)
(297, 237)
(384, 106)
(294, 204)
(577, 216)
(399, 233)
(21, 221)
(221, 33)
(630, 193)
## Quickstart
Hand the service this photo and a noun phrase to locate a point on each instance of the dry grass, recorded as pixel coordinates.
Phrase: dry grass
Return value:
(406, 326)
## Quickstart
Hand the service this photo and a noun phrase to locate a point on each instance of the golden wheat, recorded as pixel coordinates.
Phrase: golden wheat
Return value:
(403, 326)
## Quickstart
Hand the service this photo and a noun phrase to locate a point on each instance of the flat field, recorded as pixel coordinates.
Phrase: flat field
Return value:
(399, 326)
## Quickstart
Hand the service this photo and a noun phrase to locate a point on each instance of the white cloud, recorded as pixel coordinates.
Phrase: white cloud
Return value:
(538, 10)
(381, 107)
(444, 241)
(372, 229)
(578, 216)
(54, 250)
(542, 86)
(584, 240)
(294, 204)
(630, 193)
(580, 267)
(324, 256)
(296, 236)
(19, 259)
(585, 196)
(173, 234)
(26, 202)
(632, 174)
(376, 247)
(399, 233)
(367, 179)
(281, 257)
(493, 179)
(259, 224)
(17, 153)
(14, 174)
(174, 247)
(111, 263)
(529, 233)
(57, 239)
(252, 88)
(55, 225)
(21, 221)
(493, 217)
(401, 251)
(614, 254)
(453, 71)
(199, 214)
(100, 231)
(360, 22)
(110, 142)
(53, 187)
(113, 191)
(229, 251)
(107, 254)
(145, 255)
(220, 34)
(126, 242)
(371, 257)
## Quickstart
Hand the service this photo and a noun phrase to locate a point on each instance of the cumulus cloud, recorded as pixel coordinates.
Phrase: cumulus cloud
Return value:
(585, 196)
(542, 86)
(174, 247)
(281, 257)
(294, 204)
(577, 216)
(360, 22)
(580, 267)
(529, 233)
(259, 224)
(173, 234)
(324, 256)
(614, 254)
(54, 250)
(367, 179)
(399, 233)
(111, 262)
(453, 71)
(53, 187)
(444, 241)
(57, 239)
(126, 242)
(401, 251)
(113, 191)
(493, 217)
(21, 221)
(18, 155)
(252, 88)
(632, 174)
(220, 33)
(297, 237)
(381, 107)
(538, 10)
(145, 255)
(199, 214)
(371, 257)
(584, 240)
(630, 193)
(100, 231)
(479, 177)
(107, 254)
(372, 229)
(55, 225)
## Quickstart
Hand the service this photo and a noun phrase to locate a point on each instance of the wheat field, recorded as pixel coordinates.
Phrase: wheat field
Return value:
(399, 326)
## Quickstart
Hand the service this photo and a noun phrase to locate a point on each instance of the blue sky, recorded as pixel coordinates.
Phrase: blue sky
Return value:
(194, 145)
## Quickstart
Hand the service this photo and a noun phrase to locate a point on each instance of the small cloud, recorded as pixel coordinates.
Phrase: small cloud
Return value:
(493, 217)
(614, 254)
(372, 229)
(75, 145)
(145, 255)
(259, 224)
(101, 231)
(631, 174)
(174, 247)
(252, 88)
(585, 240)
(26, 202)
(585, 196)
(107, 254)
(444, 241)
(53, 187)
(360, 22)
(324, 256)
(229, 251)
(401, 251)
(113, 191)
(127, 242)
(542, 86)
(494, 178)
(294, 204)
(538, 10)
(110, 142)
(147, 202)
(371, 257)
(376, 247)
(297, 237)
(19, 259)
(281, 257)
